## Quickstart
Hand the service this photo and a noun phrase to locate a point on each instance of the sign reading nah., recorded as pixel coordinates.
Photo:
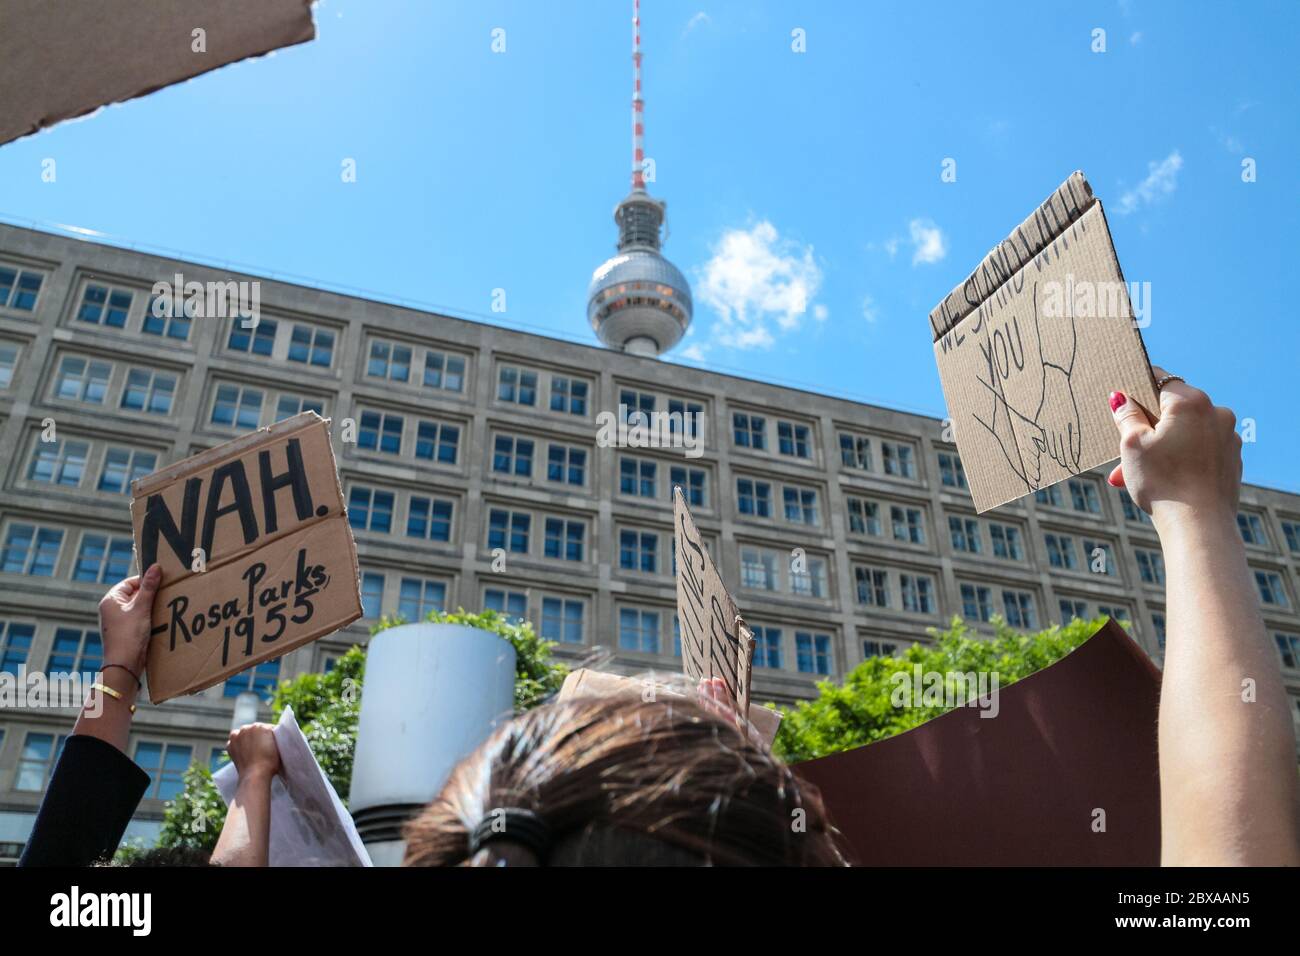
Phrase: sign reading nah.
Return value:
(715, 641)
(256, 553)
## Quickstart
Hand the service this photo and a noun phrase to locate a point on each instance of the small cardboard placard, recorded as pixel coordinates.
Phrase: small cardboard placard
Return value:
(715, 640)
(1030, 346)
(256, 554)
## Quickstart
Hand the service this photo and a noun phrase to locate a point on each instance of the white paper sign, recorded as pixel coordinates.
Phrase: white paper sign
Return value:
(309, 824)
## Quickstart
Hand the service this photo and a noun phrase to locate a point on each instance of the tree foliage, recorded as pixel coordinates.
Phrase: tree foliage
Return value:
(860, 710)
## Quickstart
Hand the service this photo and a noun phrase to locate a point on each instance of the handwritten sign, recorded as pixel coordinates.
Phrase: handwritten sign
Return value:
(256, 554)
(1032, 343)
(715, 641)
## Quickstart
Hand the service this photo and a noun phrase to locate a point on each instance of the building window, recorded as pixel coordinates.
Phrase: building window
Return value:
(61, 462)
(873, 648)
(1151, 566)
(15, 645)
(898, 459)
(1158, 624)
(291, 405)
(810, 582)
(372, 594)
(417, 598)
(638, 630)
(370, 509)
(1271, 591)
(792, 439)
(437, 441)
(261, 679)
(104, 559)
(1252, 529)
(872, 586)
(148, 391)
(800, 505)
(758, 569)
(566, 465)
(1116, 613)
(31, 550)
(83, 381)
(167, 318)
(1288, 646)
(749, 431)
(258, 339)
(511, 604)
(1291, 531)
(429, 518)
(568, 395)
(562, 620)
(638, 551)
(767, 647)
(637, 477)
(965, 534)
(688, 414)
(864, 517)
(237, 406)
(1019, 609)
(19, 289)
(509, 530)
(1100, 558)
(812, 653)
(635, 408)
(692, 483)
(908, 524)
(513, 456)
(124, 465)
(855, 452)
(1006, 542)
(1131, 511)
(976, 603)
(951, 472)
(390, 361)
(1060, 551)
(101, 305)
(8, 362)
(310, 345)
(442, 371)
(1072, 609)
(1084, 497)
(564, 539)
(36, 761)
(917, 592)
(1050, 496)
(380, 431)
(754, 497)
(516, 386)
(166, 765)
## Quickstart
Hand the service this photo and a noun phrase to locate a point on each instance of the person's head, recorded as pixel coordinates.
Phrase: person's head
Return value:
(622, 782)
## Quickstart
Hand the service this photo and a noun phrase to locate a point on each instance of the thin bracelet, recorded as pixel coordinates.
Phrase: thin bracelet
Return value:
(105, 689)
(138, 683)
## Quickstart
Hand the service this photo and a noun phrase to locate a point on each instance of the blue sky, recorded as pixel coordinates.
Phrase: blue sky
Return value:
(804, 193)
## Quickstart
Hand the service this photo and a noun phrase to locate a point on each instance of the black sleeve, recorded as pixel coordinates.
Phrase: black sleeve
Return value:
(92, 794)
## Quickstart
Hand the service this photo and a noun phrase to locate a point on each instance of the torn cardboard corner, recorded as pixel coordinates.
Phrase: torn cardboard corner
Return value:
(66, 58)
(1065, 774)
(715, 640)
(589, 683)
(1030, 346)
(256, 553)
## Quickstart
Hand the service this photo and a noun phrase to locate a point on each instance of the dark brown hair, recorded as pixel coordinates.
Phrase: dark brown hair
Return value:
(624, 782)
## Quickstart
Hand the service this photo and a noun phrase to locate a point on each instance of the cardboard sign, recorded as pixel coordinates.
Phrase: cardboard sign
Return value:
(1022, 788)
(95, 50)
(1031, 345)
(584, 682)
(256, 553)
(715, 640)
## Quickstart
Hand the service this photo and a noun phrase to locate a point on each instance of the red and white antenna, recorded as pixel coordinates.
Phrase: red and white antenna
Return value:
(638, 127)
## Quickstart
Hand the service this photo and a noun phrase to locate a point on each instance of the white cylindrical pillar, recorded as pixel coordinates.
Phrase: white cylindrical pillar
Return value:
(432, 693)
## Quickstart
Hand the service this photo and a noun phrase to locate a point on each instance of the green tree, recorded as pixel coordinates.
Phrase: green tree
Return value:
(860, 710)
(327, 708)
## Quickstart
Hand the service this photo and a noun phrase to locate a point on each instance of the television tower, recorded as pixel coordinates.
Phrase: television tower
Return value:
(638, 301)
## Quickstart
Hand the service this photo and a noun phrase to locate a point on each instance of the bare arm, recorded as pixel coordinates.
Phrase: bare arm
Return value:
(246, 836)
(1228, 791)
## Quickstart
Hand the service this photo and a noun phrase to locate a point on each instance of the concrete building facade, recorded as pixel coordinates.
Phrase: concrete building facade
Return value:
(480, 478)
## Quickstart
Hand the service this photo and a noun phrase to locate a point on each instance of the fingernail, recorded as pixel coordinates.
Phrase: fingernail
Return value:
(154, 572)
(1110, 480)
(1116, 400)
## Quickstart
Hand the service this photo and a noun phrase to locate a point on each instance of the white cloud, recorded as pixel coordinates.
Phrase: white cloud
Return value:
(1161, 181)
(928, 242)
(699, 20)
(869, 310)
(820, 312)
(758, 283)
(1135, 38)
(693, 352)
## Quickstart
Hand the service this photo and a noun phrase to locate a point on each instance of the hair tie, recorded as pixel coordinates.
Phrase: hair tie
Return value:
(514, 824)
